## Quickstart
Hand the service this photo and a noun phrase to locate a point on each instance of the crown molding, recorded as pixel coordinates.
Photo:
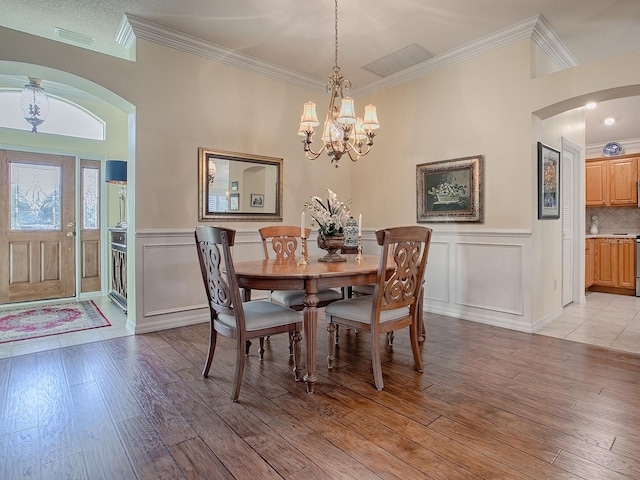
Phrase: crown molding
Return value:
(170, 38)
(535, 28)
(125, 35)
(547, 39)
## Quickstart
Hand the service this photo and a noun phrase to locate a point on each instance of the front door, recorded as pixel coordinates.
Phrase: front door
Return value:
(37, 226)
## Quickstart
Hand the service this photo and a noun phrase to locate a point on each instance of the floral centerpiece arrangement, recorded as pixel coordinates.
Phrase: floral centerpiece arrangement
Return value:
(331, 216)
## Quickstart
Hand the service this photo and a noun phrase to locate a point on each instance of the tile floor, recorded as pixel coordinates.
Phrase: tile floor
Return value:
(111, 311)
(606, 320)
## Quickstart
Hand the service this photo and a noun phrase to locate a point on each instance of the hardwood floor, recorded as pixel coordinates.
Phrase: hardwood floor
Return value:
(491, 403)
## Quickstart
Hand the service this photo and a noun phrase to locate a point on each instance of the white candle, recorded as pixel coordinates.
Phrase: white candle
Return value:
(360, 225)
(302, 225)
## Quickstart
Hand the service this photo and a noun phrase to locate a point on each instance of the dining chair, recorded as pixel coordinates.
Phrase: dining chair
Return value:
(230, 316)
(395, 302)
(282, 241)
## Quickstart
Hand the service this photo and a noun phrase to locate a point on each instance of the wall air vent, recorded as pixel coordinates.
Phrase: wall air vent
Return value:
(74, 37)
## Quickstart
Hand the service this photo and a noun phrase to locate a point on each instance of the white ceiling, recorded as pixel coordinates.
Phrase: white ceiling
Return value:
(298, 35)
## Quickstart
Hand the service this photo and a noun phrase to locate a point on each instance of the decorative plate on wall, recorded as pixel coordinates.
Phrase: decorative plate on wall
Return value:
(612, 149)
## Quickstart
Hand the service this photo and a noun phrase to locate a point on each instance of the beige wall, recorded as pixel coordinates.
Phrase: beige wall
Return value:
(473, 108)
(482, 106)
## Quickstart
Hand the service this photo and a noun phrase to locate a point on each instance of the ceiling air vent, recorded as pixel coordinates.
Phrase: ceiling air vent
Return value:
(399, 60)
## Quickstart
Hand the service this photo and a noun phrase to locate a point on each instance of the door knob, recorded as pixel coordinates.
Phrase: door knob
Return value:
(70, 234)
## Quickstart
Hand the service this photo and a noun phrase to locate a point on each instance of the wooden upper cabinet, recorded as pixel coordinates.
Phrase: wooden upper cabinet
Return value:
(597, 183)
(623, 181)
(612, 182)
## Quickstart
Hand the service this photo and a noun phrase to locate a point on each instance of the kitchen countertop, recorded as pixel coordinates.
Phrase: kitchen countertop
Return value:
(614, 234)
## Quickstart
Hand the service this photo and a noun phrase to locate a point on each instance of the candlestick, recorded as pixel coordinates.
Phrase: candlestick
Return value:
(302, 224)
(359, 256)
(359, 225)
(303, 252)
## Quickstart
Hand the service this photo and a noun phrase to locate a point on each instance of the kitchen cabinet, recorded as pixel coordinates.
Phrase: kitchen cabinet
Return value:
(612, 182)
(614, 262)
(597, 183)
(589, 270)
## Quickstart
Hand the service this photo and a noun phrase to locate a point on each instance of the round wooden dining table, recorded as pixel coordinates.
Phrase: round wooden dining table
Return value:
(284, 274)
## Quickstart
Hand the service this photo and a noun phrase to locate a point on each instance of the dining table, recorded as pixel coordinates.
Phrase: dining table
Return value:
(288, 274)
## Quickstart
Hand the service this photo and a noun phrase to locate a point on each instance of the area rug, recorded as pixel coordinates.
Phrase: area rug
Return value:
(34, 322)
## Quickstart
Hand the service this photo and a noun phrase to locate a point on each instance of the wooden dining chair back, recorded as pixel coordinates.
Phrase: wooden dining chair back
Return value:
(395, 301)
(229, 316)
(282, 240)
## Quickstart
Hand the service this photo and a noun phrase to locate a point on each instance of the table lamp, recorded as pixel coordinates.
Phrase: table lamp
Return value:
(116, 172)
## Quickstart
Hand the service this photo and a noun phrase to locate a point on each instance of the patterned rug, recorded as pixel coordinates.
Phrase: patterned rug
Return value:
(34, 322)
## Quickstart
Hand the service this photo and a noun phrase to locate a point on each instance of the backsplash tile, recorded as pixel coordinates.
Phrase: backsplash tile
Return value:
(614, 218)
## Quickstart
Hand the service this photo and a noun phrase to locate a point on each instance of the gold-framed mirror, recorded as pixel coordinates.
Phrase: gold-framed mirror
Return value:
(239, 186)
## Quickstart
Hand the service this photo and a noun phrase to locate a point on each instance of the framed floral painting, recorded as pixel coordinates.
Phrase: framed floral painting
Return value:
(548, 182)
(450, 190)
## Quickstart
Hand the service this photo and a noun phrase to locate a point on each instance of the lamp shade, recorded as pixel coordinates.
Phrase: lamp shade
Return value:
(116, 171)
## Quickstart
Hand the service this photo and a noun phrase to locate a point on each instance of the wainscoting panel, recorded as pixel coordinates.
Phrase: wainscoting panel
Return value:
(489, 276)
(477, 276)
(174, 282)
(436, 277)
(168, 280)
(481, 276)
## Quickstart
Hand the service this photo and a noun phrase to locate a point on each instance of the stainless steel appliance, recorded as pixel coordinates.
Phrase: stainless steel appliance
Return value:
(637, 266)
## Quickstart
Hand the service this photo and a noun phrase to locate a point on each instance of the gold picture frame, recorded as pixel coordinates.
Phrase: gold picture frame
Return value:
(222, 181)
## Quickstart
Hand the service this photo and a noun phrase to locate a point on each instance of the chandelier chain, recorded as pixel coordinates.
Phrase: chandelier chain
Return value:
(336, 36)
(343, 132)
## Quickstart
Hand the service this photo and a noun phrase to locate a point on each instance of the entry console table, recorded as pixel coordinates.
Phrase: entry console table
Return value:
(118, 287)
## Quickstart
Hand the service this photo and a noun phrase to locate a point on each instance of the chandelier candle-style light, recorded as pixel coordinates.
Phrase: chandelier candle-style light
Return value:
(343, 132)
(34, 104)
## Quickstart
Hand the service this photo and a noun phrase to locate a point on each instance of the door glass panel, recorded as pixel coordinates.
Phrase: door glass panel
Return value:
(90, 218)
(35, 196)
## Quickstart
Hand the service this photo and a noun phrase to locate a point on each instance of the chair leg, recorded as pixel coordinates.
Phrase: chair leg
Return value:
(213, 337)
(291, 334)
(261, 349)
(247, 346)
(390, 338)
(422, 329)
(332, 340)
(237, 380)
(296, 338)
(414, 335)
(375, 362)
(337, 337)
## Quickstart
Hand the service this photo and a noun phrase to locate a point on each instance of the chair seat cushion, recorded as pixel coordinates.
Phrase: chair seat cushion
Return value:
(364, 289)
(296, 297)
(360, 309)
(259, 314)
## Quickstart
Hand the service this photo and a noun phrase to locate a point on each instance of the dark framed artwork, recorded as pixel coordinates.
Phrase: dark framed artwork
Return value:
(257, 200)
(234, 186)
(234, 202)
(450, 190)
(548, 182)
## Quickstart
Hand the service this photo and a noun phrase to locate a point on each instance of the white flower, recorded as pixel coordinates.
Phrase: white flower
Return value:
(330, 217)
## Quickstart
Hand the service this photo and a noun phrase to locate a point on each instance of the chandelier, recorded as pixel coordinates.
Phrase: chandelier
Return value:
(34, 104)
(343, 132)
